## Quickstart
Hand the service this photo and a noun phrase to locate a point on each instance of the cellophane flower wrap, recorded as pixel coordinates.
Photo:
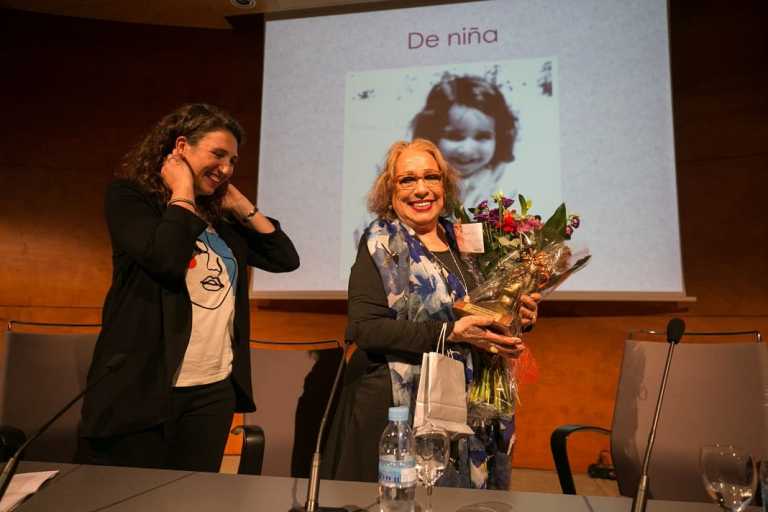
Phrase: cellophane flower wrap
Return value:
(522, 255)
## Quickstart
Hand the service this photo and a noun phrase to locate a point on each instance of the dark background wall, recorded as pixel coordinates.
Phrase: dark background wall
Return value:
(76, 94)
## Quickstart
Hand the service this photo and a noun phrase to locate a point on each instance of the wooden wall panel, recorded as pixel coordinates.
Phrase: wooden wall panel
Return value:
(723, 223)
(78, 93)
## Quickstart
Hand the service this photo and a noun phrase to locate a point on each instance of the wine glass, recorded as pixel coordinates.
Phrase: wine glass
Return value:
(729, 475)
(432, 451)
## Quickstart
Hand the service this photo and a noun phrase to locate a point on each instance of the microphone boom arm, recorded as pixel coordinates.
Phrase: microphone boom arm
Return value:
(10, 467)
(675, 331)
(641, 497)
(313, 486)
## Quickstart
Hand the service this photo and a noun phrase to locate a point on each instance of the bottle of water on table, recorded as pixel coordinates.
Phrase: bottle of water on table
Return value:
(397, 464)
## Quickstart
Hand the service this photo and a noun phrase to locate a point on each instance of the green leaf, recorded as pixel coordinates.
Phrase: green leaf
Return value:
(523, 205)
(554, 228)
(461, 214)
(506, 242)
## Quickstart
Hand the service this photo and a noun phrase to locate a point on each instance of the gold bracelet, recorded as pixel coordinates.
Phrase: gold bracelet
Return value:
(249, 215)
(182, 200)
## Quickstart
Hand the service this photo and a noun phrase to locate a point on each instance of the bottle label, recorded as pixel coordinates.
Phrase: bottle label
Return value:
(397, 473)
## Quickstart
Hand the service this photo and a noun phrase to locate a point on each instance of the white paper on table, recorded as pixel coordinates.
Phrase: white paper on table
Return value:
(23, 485)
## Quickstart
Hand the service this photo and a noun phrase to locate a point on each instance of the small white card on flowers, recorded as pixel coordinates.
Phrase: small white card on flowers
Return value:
(470, 237)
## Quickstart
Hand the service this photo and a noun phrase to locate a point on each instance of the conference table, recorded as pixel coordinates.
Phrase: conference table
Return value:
(85, 488)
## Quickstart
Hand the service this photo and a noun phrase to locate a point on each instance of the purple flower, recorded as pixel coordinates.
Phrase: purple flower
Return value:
(508, 202)
(483, 205)
(575, 221)
(568, 231)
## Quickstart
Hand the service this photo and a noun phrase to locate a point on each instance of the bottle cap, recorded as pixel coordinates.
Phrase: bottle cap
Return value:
(398, 413)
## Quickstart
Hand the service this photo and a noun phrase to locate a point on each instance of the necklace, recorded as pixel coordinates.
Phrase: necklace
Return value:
(455, 262)
(461, 274)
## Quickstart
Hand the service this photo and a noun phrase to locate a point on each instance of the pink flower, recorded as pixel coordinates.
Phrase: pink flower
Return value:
(531, 224)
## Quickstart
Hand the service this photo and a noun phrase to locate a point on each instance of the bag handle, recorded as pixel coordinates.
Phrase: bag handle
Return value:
(441, 339)
(425, 374)
(425, 370)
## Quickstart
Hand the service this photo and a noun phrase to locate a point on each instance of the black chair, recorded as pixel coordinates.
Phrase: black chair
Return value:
(716, 393)
(291, 384)
(252, 450)
(40, 372)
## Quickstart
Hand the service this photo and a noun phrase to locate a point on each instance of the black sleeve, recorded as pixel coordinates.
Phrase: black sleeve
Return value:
(161, 242)
(273, 252)
(373, 325)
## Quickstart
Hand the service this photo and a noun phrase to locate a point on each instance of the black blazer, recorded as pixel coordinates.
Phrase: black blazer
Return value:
(148, 313)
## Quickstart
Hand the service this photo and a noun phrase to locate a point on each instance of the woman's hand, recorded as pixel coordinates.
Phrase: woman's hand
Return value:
(529, 307)
(235, 202)
(241, 207)
(178, 176)
(471, 329)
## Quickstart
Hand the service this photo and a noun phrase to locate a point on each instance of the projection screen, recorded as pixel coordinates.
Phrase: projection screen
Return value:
(589, 84)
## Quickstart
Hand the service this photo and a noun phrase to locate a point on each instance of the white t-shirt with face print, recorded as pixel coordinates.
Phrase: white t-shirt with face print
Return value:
(211, 282)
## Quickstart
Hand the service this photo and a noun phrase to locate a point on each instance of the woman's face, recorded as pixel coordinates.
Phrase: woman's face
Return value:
(212, 160)
(418, 196)
(468, 141)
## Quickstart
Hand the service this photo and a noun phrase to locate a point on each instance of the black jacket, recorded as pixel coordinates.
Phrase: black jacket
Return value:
(352, 449)
(148, 313)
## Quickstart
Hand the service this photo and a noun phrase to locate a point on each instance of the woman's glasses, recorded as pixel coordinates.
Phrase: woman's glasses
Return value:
(432, 180)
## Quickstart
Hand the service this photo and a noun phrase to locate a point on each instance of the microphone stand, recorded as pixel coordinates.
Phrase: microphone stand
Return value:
(10, 467)
(313, 486)
(675, 330)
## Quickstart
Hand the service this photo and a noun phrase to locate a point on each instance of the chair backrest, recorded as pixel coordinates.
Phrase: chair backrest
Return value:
(291, 385)
(40, 373)
(716, 393)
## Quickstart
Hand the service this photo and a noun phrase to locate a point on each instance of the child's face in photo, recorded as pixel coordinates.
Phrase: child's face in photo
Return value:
(468, 141)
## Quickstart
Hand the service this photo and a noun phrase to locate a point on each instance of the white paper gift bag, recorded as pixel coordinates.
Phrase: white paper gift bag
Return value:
(442, 396)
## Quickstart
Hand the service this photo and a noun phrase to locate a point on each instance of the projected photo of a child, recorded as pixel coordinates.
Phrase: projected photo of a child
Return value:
(496, 123)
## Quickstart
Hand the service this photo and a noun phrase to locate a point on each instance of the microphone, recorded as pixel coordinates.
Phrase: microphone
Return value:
(313, 486)
(10, 467)
(675, 331)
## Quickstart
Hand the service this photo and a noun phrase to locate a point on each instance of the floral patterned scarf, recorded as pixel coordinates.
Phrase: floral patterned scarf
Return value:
(418, 288)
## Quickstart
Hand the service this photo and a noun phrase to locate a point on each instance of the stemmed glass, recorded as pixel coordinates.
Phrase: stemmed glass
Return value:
(432, 451)
(729, 475)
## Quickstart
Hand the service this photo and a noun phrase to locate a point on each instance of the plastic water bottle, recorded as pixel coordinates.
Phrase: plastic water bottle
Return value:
(397, 464)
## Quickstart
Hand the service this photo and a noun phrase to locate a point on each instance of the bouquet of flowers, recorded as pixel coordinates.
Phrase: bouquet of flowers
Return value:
(522, 255)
